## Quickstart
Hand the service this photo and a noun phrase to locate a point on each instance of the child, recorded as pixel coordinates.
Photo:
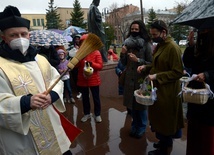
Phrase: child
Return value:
(66, 78)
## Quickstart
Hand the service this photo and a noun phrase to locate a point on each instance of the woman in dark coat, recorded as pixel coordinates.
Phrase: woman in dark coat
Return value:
(136, 51)
(200, 58)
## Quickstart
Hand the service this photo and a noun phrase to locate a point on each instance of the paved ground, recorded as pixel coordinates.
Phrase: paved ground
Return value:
(111, 137)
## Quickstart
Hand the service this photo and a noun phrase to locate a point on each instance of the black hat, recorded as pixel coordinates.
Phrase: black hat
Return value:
(160, 25)
(11, 17)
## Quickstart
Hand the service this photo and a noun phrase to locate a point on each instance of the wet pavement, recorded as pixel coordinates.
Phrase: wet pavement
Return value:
(111, 136)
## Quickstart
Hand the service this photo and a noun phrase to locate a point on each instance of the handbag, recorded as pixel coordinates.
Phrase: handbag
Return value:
(122, 78)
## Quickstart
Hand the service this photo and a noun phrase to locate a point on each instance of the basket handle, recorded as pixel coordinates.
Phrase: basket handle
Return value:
(186, 82)
(147, 79)
(153, 90)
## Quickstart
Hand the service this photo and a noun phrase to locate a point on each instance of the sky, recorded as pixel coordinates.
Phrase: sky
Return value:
(39, 6)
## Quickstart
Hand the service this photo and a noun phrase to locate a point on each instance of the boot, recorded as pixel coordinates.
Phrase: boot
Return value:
(166, 150)
(161, 151)
(156, 152)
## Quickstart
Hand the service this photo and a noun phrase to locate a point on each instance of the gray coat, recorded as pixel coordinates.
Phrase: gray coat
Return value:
(142, 50)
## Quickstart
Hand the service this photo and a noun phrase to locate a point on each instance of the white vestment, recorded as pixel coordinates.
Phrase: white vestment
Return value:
(15, 136)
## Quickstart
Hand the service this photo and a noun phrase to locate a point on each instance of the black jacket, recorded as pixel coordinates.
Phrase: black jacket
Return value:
(200, 64)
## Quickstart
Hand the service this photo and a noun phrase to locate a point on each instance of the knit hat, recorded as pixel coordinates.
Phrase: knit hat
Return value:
(77, 36)
(83, 37)
(11, 17)
(60, 51)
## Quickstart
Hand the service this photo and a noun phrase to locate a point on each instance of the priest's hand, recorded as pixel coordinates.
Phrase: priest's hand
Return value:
(40, 101)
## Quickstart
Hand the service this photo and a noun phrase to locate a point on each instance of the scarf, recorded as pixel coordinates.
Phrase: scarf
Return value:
(7, 53)
(134, 42)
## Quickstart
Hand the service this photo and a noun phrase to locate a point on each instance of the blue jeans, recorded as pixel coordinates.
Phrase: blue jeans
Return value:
(86, 100)
(140, 120)
(67, 86)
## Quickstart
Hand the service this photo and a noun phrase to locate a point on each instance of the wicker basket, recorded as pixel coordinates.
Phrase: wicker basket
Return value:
(144, 100)
(198, 96)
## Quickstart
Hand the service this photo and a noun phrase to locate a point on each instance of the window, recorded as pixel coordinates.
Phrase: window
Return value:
(43, 22)
(34, 22)
(38, 22)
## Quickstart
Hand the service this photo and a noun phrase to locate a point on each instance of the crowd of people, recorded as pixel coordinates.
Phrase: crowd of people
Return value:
(27, 109)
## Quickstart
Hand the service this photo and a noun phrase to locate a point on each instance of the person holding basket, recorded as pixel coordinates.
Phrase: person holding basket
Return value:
(137, 50)
(165, 115)
(199, 58)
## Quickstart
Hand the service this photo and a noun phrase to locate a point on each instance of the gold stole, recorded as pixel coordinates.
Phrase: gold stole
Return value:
(23, 84)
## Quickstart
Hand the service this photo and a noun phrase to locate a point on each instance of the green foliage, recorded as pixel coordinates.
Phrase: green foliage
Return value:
(152, 18)
(52, 17)
(109, 32)
(145, 91)
(179, 32)
(141, 80)
(77, 16)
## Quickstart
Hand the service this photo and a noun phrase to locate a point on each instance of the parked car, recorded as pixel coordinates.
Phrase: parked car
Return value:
(182, 43)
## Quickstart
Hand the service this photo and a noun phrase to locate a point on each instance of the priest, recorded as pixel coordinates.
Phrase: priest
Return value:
(29, 124)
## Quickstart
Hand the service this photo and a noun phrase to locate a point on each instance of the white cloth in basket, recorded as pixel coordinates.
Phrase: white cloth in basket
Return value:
(195, 92)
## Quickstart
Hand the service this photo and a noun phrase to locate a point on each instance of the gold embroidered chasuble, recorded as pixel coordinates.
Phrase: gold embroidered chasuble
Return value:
(22, 84)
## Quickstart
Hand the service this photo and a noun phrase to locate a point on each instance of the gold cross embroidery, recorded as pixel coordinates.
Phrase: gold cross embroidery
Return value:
(22, 82)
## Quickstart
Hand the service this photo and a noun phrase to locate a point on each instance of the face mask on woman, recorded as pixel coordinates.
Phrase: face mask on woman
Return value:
(21, 44)
(157, 39)
(135, 34)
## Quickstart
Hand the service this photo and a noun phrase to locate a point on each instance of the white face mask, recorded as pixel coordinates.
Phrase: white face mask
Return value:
(20, 43)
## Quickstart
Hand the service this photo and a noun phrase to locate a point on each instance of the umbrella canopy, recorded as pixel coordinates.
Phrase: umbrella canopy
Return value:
(73, 30)
(56, 30)
(199, 14)
(46, 37)
(68, 38)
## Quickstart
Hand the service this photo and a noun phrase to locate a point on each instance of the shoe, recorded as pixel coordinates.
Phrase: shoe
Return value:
(85, 118)
(155, 152)
(161, 151)
(133, 132)
(139, 135)
(72, 100)
(79, 95)
(98, 119)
